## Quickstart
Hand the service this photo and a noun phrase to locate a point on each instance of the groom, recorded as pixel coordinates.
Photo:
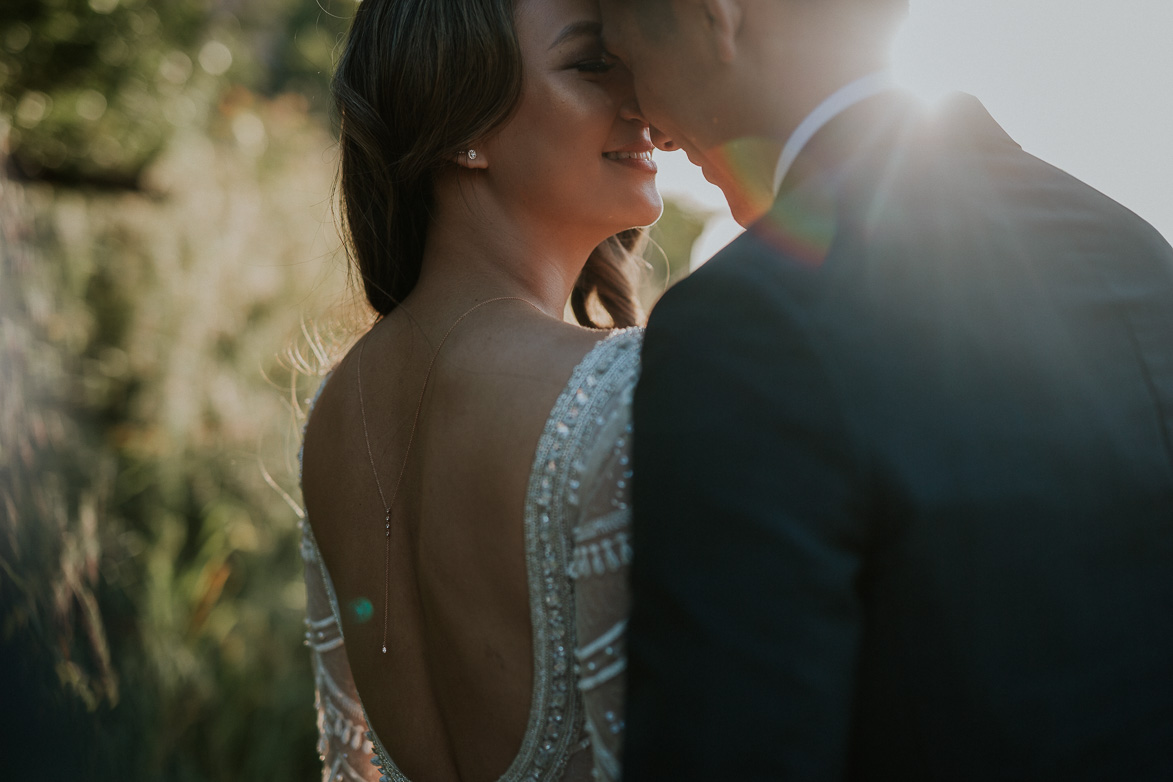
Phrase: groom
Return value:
(904, 450)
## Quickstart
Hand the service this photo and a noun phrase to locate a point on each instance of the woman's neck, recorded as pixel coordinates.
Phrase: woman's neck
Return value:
(476, 250)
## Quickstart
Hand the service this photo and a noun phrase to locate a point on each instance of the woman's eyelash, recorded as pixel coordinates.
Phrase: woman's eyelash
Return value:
(597, 65)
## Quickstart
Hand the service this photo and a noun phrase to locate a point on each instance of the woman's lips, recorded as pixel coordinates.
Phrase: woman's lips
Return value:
(640, 161)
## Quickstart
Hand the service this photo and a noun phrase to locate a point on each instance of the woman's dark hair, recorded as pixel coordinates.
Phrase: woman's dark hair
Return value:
(418, 81)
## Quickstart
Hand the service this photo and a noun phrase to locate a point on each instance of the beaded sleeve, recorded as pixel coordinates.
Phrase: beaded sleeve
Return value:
(602, 555)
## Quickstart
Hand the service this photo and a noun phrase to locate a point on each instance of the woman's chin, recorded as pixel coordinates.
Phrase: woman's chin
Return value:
(650, 210)
(638, 210)
(656, 212)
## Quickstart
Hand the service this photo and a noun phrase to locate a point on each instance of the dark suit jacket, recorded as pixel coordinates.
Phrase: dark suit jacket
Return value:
(903, 476)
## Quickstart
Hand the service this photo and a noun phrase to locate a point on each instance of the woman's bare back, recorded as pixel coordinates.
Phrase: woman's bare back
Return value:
(450, 698)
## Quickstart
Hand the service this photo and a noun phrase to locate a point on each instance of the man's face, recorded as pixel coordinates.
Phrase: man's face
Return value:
(667, 46)
(658, 49)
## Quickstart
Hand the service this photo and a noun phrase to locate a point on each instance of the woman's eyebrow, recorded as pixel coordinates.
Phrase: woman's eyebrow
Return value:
(575, 29)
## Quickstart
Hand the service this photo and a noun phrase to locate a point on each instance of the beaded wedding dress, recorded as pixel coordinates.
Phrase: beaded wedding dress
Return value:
(576, 525)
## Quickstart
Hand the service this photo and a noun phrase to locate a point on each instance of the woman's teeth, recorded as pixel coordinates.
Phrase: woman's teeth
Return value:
(628, 155)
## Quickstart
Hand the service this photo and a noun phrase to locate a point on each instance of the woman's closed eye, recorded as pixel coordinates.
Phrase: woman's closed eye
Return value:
(600, 64)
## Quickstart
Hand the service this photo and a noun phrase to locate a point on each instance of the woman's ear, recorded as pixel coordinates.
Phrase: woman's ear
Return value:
(470, 158)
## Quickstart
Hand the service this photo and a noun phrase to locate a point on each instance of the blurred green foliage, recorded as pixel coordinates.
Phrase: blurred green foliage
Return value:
(169, 230)
(148, 417)
(166, 247)
(93, 89)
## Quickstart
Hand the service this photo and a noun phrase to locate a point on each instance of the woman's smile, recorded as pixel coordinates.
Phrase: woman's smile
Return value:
(638, 158)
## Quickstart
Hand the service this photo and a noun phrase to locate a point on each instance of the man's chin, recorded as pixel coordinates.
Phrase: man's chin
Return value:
(746, 204)
(746, 208)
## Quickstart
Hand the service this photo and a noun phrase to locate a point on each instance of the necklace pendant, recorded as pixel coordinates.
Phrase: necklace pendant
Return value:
(384, 650)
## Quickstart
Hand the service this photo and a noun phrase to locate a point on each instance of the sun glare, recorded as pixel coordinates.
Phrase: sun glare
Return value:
(1082, 84)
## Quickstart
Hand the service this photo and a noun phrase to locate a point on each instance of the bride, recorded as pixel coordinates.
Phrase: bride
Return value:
(465, 468)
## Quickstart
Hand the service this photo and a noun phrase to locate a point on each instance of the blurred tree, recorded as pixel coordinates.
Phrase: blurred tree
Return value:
(93, 87)
(150, 585)
(91, 90)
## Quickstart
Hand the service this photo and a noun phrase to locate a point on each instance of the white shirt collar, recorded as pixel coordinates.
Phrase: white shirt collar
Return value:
(839, 101)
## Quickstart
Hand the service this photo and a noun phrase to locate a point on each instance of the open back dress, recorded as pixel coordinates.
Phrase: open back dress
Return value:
(577, 551)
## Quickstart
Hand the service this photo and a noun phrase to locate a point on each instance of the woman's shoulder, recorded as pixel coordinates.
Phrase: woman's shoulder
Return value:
(602, 380)
(507, 381)
(532, 359)
(565, 398)
(607, 365)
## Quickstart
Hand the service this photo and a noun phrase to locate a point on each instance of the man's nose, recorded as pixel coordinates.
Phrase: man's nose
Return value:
(663, 141)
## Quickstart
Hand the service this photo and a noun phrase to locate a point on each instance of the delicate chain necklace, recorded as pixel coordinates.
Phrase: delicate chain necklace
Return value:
(410, 441)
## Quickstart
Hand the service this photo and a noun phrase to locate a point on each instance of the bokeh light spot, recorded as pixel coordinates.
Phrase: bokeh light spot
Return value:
(249, 131)
(362, 610)
(114, 51)
(17, 37)
(180, 110)
(215, 58)
(176, 67)
(32, 109)
(91, 105)
(106, 150)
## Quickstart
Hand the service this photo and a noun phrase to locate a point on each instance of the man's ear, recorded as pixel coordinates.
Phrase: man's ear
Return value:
(725, 18)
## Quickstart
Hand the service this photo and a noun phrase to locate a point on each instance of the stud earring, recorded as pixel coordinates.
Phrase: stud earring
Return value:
(472, 154)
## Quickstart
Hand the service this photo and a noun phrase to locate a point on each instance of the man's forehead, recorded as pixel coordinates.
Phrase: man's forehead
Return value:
(649, 19)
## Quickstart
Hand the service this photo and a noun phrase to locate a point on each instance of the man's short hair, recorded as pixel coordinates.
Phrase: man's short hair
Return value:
(656, 17)
(651, 7)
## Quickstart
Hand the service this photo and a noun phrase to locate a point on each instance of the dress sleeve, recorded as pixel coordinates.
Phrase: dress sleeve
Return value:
(342, 728)
(602, 555)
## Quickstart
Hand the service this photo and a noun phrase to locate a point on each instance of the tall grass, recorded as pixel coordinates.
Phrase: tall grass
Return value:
(147, 562)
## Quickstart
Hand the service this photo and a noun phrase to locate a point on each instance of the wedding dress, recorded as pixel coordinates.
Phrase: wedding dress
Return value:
(577, 519)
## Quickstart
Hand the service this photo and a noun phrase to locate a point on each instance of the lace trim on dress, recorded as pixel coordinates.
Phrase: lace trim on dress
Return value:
(341, 720)
(608, 555)
(612, 522)
(602, 557)
(551, 510)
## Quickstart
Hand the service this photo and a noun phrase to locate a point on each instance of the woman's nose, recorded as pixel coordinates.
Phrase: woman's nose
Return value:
(629, 109)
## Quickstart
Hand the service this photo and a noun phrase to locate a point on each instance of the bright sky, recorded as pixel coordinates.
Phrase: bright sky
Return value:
(1086, 85)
